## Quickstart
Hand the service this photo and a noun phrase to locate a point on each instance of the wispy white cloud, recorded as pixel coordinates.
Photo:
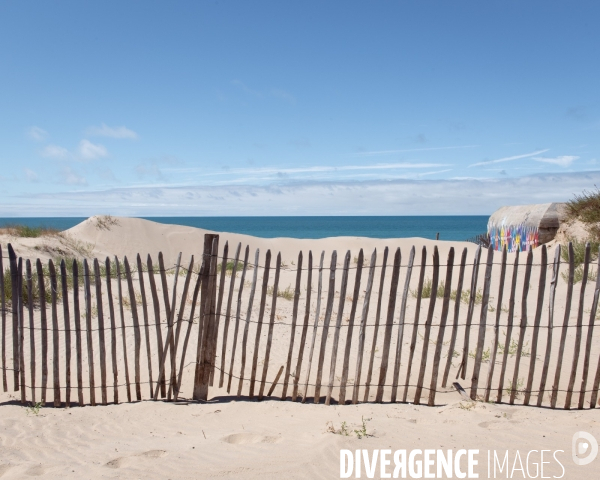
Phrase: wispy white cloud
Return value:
(283, 95)
(311, 169)
(380, 197)
(242, 86)
(31, 176)
(70, 177)
(55, 151)
(509, 159)
(112, 132)
(91, 151)
(36, 133)
(391, 152)
(562, 161)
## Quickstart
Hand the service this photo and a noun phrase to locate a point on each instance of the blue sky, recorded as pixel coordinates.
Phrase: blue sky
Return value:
(294, 108)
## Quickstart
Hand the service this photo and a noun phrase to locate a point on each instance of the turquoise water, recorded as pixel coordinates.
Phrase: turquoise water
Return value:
(449, 227)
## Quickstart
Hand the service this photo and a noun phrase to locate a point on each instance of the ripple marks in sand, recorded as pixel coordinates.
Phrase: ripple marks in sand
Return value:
(245, 438)
(124, 461)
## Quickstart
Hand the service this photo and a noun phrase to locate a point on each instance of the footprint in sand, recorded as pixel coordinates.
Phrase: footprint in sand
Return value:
(123, 461)
(245, 438)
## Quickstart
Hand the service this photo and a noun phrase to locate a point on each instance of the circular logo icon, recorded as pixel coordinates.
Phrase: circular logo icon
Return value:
(585, 448)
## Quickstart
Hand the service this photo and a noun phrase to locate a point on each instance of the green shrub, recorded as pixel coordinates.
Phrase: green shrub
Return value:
(25, 231)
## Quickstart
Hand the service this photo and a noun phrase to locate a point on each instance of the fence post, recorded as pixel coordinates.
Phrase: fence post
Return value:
(207, 314)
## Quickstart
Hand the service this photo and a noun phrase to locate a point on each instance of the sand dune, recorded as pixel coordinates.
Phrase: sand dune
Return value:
(235, 437)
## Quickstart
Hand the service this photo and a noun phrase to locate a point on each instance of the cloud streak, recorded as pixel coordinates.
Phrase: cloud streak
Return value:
(428, 149)
(380, 197)
(112, 132)
(509, 159)
(563, 161)
(91, 151)
(38, 134)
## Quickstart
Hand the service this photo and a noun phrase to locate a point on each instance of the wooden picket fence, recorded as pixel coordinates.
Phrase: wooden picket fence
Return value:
(196, 335)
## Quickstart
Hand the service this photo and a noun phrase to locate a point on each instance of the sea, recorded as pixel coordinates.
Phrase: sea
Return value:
(455, 228)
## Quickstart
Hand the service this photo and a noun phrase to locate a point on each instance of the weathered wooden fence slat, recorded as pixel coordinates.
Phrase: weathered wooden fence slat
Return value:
(401, 322)
(288, 364)
(228, 312)
(553, 282)
(123, 333)
(472, 297)
(457, 302)
(209, 325)
(363, 324)
(376, 327)
(169, 306)
(522, 327)
(237, 317)
(485, 299)
(589, 339)
(315, 325)
(43, 327)
(274, 384)
(169, 337)
(247, 323)
(304, 328)
(387, 336)
(88, 330)
(536, 325)
(442, 328)
(101, 340)
(184, 298)
(563, 335)
(509, 328)
(326, 320)
(189, 329)
(261, 313)
(15, 315)
(338, 325)
(219, 306)
(428, 322)
(78, 341)
(55, 338)
(31, 328)
(158, 322)
(21, 333)
(415, 331)
(3, 311)
(578, 331)
(496, 340)
(113, 331)
(67, 322)
(271, 324)
(140, 269)
(136, 330)
(355, 295)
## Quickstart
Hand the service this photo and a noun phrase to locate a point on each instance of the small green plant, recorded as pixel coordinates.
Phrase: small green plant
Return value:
(361, 432)
(229, 267)
(25, 231)
(33, 408)
(467, 405)
(485, 355)
(343, 430)
(106, 222)
(517, 388)
(287, 293)
(578, 275)
(513, 347)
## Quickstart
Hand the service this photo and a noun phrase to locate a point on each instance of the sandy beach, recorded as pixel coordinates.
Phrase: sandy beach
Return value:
(239, 437)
